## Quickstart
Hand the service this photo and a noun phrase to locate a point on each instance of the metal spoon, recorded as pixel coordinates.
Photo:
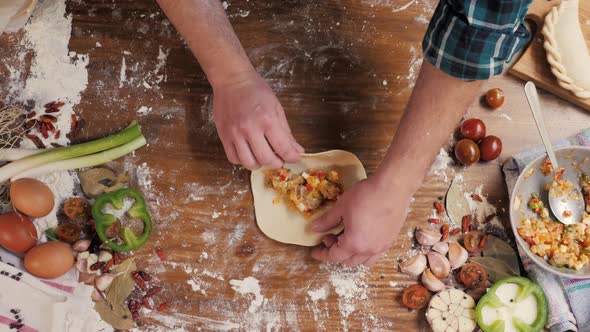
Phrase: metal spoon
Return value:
(559, 204)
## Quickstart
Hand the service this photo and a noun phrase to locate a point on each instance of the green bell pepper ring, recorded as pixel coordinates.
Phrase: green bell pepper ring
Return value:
(138, 210)
(506, 300)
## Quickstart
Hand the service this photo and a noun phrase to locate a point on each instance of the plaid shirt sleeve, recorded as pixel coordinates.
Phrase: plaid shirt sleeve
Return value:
(474, 39)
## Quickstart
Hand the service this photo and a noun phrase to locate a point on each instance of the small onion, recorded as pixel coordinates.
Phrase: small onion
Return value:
(82, 255)
(413, 266)
(82, 265)
(426, 237)
(439, 265)
(431, 282)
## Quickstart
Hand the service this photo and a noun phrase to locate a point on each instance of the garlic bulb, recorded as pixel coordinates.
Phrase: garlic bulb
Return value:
(457, 255)
(426, 237)
(439, 265)
(82, 265)
(431, 282)
(441, 247)
(413, 266)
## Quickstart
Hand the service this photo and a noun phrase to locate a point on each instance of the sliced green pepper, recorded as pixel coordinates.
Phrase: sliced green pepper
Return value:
(138, 210)
(515, 301)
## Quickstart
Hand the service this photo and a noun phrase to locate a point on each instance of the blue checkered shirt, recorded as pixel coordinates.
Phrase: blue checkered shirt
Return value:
(474, 39)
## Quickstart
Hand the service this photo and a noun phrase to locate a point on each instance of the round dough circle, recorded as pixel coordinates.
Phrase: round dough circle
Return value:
(284, 224)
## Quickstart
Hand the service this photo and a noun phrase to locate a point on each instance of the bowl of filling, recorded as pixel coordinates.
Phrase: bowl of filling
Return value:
(559, 248)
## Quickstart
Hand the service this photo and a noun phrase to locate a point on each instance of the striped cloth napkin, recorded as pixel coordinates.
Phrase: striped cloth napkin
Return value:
(569, 299)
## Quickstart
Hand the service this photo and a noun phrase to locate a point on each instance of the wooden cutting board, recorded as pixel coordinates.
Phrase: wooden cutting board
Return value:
(533, 65)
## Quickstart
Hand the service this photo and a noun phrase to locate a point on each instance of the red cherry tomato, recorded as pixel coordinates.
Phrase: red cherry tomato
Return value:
(495, 97)
(490, 148)
(474, 242)
(467, 152)
(473, 275)
(415, 297)
(474, 129)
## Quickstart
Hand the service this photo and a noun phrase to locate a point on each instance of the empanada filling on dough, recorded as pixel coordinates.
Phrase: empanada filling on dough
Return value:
(285, 220)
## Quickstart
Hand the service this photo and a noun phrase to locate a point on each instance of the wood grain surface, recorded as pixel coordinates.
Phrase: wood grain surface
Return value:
(344, 71)
(533, 65)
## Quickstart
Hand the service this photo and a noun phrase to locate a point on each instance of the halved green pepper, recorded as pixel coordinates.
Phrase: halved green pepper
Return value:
(138, 210)
(515, 301)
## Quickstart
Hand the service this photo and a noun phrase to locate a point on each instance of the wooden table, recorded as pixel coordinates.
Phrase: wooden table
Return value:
(343, 71)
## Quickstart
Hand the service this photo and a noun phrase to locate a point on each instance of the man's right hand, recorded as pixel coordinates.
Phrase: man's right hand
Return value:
(252, 124)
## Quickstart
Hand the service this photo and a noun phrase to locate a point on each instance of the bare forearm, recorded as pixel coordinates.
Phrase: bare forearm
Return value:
(210, 36)
(435, 108)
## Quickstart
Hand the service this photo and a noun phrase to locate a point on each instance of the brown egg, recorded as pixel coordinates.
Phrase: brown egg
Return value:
(17, 232)
(31, 197)
(49, 260)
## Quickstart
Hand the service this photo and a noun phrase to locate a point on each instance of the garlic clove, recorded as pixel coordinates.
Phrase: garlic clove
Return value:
(414, 265)
(426, 237)
(82, 255)
(97, 295)
(457, 255)
(103, 281)
(431, 282)
(104, 256)
(439, 265)
(441, 247)
(82, 265)
(81, 245)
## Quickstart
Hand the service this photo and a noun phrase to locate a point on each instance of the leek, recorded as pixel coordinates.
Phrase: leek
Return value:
(42, 159)
(90, 160)
(16, 154)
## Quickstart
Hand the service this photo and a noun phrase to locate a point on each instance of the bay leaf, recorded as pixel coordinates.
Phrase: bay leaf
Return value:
(456, 204)
(114, 309)
(496, 268)
(501, 250)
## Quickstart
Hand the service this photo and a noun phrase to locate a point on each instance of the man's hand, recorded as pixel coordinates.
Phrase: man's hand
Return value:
(372, 219)
(252, 124)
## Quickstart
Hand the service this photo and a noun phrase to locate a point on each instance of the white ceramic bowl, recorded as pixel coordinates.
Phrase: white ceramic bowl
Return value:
(535, 183)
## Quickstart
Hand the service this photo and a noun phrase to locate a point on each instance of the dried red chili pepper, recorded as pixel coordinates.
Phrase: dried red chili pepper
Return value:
(47, 118)
(139, 281)
(52, 110)
(97, 266)
(57, 134)
(56, 145)
(38, 143)
(445, 231)
(30, 124)
(31, 115)
(50, 126)
(163, 306)
(476, 197)
(465, 223)
(483, 242)
(160, 253)
(439, 207)
(49, 104)
(145, 276)
(434, 221)
(153, 291)
(146, 303)
(44, 131)
(455, 231)
(106, 268)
